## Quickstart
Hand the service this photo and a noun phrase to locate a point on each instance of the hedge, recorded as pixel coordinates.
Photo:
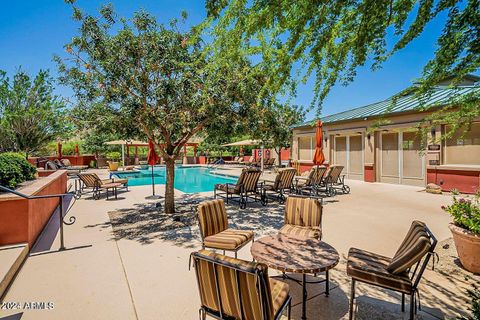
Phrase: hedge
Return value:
(15, 169)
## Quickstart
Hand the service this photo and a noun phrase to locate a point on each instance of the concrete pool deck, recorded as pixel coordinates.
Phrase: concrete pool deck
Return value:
(142, 273)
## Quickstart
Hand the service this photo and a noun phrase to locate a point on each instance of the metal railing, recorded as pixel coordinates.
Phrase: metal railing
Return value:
(61, 197)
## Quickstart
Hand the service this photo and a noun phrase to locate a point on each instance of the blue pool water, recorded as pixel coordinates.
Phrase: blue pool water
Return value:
(187, 179)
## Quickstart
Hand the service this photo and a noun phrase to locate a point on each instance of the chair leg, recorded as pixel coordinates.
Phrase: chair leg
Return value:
(201, 314)
(289, 310)
(412, 306)
(352, 298)
(403, 302)
(235, 254)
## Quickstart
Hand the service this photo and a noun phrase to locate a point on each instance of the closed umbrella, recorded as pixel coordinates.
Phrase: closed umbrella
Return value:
(319, 157)
(152, 159)
(59, 150)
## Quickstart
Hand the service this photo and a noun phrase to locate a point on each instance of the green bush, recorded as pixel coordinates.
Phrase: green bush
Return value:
(114, 156)
(15, 169)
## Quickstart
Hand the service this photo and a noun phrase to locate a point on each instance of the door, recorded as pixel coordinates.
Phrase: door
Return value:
(400, 159)
(349, 154)
(355, 157)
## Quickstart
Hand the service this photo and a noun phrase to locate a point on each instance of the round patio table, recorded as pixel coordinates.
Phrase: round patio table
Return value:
(294, 254)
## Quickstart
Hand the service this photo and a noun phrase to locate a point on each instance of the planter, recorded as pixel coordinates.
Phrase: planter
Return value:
(113, 165)
(468, 247)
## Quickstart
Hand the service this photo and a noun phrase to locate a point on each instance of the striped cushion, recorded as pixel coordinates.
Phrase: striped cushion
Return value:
(372, 268)
(304, 212)
(251, 282)
(212, 217)
(413, 248)
(90, 180)
(286, 177)
(280, 291)
(307, 232)
(251, 179)
(229, 239)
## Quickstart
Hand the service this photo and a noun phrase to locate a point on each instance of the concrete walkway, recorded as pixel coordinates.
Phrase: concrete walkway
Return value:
(141, 272)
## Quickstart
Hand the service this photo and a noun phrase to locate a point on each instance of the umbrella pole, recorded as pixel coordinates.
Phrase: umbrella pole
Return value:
(153, 182)
(123, 157)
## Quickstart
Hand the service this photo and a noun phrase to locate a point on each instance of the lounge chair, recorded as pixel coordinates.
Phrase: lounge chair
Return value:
(269, 163)
(250, 161)
(230, 288)
(402, 273)
(247, 186)
(67, 164)
(334, 180)
(303, 217)
(311, 185)
(52, 165)
(213, 222)
(283, 182)
(234, 161)
(95, 184)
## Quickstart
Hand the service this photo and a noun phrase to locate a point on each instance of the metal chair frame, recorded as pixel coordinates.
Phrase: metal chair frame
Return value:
(415, 277)
(204, 311)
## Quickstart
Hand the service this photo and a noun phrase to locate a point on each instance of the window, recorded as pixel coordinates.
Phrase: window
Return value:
(305, 148)
(463, 147)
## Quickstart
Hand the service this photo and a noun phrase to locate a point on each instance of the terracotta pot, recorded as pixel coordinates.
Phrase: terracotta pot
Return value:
(113, 166)
(468, 247)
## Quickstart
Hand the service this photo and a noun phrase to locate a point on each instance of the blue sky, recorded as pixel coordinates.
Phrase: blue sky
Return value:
(31, 32)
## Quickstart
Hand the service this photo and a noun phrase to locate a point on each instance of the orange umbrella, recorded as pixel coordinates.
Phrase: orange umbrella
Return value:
(59, 150)
(152, 159)
(76, 150)
(319, 157)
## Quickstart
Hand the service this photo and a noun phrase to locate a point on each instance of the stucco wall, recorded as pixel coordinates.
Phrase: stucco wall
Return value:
(23, 219)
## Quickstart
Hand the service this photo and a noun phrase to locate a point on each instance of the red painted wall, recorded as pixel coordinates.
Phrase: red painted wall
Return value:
(463, 181)
(284, 154)
(23, 219)
(369, 173)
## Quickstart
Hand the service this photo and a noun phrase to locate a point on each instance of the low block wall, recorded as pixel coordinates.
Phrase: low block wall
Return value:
(23, 220)
(465, 181)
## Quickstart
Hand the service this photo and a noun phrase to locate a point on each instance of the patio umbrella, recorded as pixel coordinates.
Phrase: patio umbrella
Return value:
(319, 157)
(152, 159)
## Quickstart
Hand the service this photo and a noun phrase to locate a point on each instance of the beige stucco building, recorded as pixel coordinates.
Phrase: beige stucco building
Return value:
(379, 142)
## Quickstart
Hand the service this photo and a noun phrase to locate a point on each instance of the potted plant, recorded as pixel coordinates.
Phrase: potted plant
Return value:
(114, 158)
(466, 230)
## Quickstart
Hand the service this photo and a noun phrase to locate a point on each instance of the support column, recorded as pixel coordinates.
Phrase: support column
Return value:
(128, 154)
(195, 154)
(136, 154)
(185, 160)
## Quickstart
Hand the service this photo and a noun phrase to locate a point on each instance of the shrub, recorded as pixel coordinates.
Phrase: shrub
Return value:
(465, 213)
(114, 156)
(15, 169)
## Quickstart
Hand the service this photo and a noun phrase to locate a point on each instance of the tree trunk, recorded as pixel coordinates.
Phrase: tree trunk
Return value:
(169, 189)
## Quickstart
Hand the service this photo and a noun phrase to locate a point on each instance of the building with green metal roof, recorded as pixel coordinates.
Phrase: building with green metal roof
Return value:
(379, 142)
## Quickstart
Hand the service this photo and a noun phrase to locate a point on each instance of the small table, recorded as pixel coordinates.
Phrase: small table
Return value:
(297, 255)
(114, 186)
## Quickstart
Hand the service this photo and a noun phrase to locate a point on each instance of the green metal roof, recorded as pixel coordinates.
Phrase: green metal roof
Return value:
(437, 98)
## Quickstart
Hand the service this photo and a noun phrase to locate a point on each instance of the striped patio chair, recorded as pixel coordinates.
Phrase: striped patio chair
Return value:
(214, 231)
(230, 289)
(303, 217)
(312, 184)
(402, 273)
(247, 187)
(94, 184)
(283, 182)
(334, 180)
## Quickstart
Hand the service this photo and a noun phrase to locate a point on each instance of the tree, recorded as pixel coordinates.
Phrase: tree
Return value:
(331, 39)
(31, 115)
(162, 79)
(275, 125)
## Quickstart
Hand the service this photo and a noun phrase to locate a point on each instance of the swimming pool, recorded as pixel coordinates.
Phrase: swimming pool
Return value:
(187, 179)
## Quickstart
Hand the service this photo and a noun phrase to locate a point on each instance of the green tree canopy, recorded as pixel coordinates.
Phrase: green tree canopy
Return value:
(330, 40)
(31, 115)
(162, 79)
